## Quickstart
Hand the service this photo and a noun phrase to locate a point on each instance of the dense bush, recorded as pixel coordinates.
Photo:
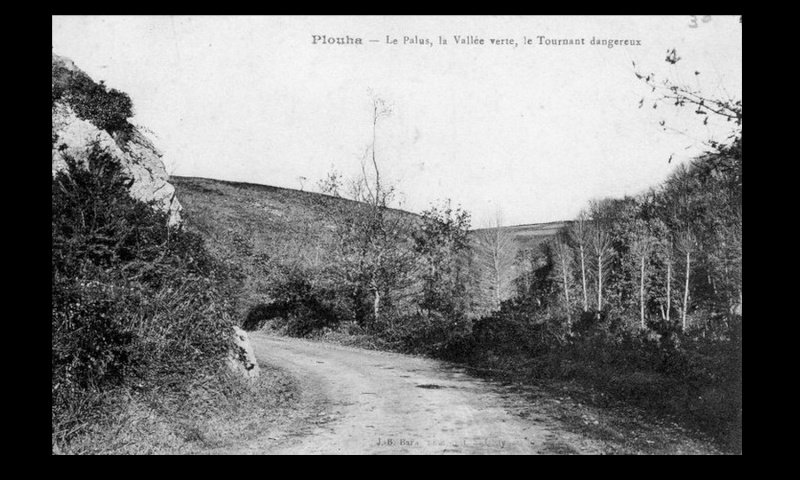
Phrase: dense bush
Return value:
(692, 375)
(433, 333)
(298, 305)
(107, 109)
(138, 307)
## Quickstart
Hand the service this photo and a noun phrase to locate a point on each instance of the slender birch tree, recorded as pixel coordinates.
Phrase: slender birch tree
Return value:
(687, 245)
(563, 262)
(668, 260)
(641, 249)
(580, 233)
(603, 253)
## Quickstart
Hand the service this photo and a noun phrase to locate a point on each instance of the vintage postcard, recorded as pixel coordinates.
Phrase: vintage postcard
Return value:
(397, 234)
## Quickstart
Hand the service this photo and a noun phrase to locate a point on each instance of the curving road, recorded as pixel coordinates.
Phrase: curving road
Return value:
(365, 402)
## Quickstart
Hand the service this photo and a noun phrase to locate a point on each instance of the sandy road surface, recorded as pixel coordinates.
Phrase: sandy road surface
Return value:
(365, 402)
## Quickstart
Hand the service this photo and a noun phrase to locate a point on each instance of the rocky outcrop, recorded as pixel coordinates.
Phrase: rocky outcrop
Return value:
(76, 135)
(137, 155)
(243, 358)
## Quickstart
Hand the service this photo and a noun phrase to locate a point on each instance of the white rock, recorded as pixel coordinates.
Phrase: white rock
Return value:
(242, 360)
(137, 155)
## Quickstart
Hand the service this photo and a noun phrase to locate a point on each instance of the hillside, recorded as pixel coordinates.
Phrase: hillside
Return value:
(261, 230)
(237, 217)
(529, 236)
(259, 227)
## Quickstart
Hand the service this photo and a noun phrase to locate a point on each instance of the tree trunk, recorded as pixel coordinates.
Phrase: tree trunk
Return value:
(669, 289)
(374, 161)
(739, 307)
(566, 287)
(496, 266)
(686, 291)
(599, 284)
(641, 294)
(376, 304)
(583, 279)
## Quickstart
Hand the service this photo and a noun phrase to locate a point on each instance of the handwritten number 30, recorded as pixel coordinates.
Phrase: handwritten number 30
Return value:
(705, 19)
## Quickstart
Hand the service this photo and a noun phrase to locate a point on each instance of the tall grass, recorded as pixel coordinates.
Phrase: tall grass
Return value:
(140, 315)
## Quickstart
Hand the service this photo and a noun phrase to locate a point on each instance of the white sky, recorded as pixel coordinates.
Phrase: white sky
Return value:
(536, 131)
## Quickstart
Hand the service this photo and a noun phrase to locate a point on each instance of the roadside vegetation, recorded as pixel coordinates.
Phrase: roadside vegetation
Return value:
(140, 322)
(142, 313)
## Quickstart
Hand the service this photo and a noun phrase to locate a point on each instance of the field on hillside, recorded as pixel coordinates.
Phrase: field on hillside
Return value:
(530, 236)
(236, 217)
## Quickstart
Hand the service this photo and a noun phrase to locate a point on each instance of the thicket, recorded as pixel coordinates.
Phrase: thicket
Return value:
(107, 109)
(139, 308)
(640, 297)
(399, 281)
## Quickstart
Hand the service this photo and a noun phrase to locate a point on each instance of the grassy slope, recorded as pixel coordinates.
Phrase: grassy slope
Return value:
(258, 227)
(266, 216)
(532, 235)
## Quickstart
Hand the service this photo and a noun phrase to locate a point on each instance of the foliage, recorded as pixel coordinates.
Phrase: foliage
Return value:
(300, 305)
(660, 276)
(494, 255)
(442, 242)
(432, 333)
(371, 262)
(425, 310)
(107, 109)
(138, 307)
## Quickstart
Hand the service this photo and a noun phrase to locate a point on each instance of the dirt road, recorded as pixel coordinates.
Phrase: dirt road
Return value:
(364, 402)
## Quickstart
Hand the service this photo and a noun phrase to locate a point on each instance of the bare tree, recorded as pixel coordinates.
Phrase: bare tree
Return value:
(687, 245)
(668, 260)
(603, 253)
(721, 107)
(642, 245)
(496, 255)
(579, 231)
(375, 196)
(563, 261)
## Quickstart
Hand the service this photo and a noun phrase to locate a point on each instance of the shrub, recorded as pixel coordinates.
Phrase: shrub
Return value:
(108, 110)
(510, 333)
(433, 333)
(137, 306)
(299, 305)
